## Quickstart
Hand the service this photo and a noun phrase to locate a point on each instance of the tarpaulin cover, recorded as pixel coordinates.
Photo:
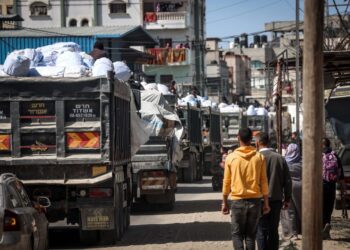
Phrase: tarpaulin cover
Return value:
(158, 117)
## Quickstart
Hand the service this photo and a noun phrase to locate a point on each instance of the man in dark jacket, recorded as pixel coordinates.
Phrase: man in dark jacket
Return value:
(280, 191)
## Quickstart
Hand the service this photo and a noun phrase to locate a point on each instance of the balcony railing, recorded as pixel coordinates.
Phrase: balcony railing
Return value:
(163, 20)
(169, 56)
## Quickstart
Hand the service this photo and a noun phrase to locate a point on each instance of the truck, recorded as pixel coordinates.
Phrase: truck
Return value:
(69, 140)
(154, 174)
(190, 167)
(211, 139)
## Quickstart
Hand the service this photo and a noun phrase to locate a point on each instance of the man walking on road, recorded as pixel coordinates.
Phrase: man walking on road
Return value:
(280, 191)
(245, 180)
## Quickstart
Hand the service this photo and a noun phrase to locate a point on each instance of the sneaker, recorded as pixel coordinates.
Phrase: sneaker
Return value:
(326, 232)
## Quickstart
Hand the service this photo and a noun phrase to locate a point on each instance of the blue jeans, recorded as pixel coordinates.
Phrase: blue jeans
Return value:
(245, 216)
(267, 235)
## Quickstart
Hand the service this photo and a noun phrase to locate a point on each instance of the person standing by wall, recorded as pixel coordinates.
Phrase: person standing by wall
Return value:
(332, 173)
(280, 191)
(246, 182)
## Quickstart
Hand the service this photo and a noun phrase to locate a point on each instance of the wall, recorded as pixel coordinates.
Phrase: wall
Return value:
(4, 4)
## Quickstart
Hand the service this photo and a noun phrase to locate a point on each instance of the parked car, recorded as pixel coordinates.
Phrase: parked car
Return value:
(23, 224)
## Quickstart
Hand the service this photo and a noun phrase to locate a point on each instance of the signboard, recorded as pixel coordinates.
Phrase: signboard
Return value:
(37, 109)
(44, 111)
(4, 112)
(82, 111)
(38, 143)
(97, 218)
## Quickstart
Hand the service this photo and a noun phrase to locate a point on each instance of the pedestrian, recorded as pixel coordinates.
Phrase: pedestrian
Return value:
(332, 172)
(280, 191)
(246, 182)
(291, 218)
(98, 51)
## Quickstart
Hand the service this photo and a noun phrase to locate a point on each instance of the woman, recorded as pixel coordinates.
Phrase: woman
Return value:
(291, 218)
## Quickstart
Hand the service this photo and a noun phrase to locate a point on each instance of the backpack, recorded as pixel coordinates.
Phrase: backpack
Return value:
(330, 167)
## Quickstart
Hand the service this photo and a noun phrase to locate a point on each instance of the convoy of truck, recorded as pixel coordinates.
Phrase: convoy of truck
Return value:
(70, 140)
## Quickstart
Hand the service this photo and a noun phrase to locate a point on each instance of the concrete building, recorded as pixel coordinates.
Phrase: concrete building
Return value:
(79, 13)
(239, 74)
(179, 27)
(219, 84)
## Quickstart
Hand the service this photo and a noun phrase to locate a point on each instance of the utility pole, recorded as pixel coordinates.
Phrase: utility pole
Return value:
(313, 94)
(297, 68)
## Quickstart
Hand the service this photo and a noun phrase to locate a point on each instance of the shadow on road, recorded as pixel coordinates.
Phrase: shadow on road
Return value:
(151, 234)
(181, 207)
(176, 233)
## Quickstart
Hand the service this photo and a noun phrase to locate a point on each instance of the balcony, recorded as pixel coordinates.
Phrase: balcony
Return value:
(165, 20)
(170, 56)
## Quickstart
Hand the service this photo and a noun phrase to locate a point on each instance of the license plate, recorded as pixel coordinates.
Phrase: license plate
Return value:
(97, 218)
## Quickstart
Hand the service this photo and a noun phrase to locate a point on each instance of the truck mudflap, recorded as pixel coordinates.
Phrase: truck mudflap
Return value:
(101, 218)
(156, 182)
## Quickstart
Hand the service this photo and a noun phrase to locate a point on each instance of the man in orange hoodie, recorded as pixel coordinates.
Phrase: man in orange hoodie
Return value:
(245, 181)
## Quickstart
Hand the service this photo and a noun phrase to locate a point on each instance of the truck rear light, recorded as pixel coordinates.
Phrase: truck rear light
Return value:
(5, 142)
(83, 140)
(11, 222)
(100, 192)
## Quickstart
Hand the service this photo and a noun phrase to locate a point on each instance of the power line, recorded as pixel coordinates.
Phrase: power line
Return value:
(246, 12)
(227, 6)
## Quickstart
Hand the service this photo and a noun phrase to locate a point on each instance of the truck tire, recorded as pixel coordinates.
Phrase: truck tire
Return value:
(115, 235)
(190, 172)
(170, 206)
(88, 237)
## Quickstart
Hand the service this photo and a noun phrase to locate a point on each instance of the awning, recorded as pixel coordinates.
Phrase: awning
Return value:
(11, 18)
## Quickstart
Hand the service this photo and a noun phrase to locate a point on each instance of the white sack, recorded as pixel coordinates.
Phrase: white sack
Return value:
(251, 110)
(16, 65)
(122, 71)
(75, 71)
(88, 60)
(261, 111)
(102, 66)
(47, 71)
(69, 58)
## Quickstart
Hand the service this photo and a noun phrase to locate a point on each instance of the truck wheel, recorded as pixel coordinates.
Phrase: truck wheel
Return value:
(112, 236)
(170, 205)
(88, 237)
(189, 172)
(180, 175)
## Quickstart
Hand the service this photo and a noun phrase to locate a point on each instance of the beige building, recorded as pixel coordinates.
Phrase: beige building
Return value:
(219, 84)
(6, 7)
(239, 73)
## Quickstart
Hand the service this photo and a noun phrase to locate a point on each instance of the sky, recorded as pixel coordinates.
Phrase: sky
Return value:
(234, 17)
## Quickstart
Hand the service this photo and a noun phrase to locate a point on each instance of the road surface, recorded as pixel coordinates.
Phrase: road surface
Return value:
(195, 223)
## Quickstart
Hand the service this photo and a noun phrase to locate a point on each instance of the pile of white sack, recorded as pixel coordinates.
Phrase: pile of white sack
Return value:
(156, 86)
(232, 108)
(64, 59)
(198, 101)
(257, 111)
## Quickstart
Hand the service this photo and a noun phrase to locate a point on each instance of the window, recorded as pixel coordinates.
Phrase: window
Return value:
(84, 23)
(166, 79)
(9, 10)
(73, 23)
(38, 9)
(117, 8)
(150, 78)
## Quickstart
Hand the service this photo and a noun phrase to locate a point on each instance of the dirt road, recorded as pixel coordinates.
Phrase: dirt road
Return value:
(195, 223)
